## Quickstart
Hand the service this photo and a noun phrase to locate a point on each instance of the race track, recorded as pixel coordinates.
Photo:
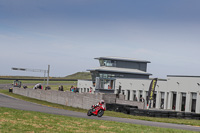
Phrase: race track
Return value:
(7, 101)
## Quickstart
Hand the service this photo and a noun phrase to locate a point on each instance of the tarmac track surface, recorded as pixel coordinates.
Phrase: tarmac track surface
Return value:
(7, 101)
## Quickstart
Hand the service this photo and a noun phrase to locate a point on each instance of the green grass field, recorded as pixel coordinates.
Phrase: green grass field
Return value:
(18, 121)
(107, 113)
(37, 81)
(53, 84)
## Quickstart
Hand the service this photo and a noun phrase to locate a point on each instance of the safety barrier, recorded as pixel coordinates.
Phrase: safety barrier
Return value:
(133, 110)
(164, 114)
(119, 107)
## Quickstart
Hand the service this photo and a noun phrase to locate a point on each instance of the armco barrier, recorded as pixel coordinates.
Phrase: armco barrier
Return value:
(140, 105)
(119, 107)
(164, 114)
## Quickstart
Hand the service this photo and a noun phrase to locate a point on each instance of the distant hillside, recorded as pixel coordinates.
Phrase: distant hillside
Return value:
(75, 76)
(79, 75)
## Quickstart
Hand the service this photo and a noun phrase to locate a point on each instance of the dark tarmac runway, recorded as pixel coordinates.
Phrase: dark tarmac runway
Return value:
(7, 101)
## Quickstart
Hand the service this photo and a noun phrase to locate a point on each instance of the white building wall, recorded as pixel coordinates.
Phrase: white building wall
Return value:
(166, 99)
(84, 85)
(141, 85)
(188, 85)
(158, 100)
(178, 101)
(198, 103)
(169, 105)
(172, 85)
(131, 95)
(188, 102)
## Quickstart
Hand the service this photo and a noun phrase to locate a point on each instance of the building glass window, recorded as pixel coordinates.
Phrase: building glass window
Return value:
(106, 84)
(108, 63)
(102, 75)
(101, 62)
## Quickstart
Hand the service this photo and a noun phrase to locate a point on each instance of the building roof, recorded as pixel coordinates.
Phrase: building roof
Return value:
(181, 76)
(119, 70)
(123, 59)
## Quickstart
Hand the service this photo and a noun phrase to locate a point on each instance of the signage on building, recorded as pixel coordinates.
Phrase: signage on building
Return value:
(152, 89)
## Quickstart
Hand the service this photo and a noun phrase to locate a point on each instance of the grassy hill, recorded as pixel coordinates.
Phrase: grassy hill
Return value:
(75, 76)
(79, 75)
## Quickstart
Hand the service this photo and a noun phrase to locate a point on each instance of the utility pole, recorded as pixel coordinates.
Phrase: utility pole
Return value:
(36, 70)
(48, 75)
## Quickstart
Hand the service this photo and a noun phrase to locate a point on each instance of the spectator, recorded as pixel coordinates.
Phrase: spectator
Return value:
(136, 99)
(61, 88)
(142, 99)
(25, 87)
(72, 87)
(76, 89)
(109, 87)
(48, 88)
(90, 89)
(38, 86)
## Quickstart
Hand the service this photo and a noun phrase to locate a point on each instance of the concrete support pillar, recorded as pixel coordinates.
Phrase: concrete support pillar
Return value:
(93, 89)
(165, 100)
(158, 99)
(126, 94)
(116, 91)
(131, 95)
(178, 101)
(198, 103)
(188, 102)
(138, 95)
(170, 100)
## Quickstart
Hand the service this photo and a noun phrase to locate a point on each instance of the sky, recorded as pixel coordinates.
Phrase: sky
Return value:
(69, 34)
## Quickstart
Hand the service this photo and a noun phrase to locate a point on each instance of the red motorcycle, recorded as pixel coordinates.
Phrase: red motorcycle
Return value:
(96, 111)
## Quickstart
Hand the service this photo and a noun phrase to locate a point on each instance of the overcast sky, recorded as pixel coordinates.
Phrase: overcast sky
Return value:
(69, 34)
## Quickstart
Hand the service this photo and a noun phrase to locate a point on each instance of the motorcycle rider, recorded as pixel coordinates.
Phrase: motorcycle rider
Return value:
(97, 110)
(101, 103)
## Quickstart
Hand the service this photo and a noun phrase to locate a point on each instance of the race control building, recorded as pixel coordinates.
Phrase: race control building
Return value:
(130, 78)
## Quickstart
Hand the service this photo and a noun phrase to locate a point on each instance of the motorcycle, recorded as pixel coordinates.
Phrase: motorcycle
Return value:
(96, 111)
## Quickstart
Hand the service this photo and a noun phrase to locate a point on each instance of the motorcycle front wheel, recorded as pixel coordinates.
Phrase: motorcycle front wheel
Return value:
(89, 113)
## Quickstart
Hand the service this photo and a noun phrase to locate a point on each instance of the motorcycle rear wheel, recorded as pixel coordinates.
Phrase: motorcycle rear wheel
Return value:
(100, 113)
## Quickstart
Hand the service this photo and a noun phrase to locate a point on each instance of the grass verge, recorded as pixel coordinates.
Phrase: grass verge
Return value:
(107, 113)
(12, 120)
(53, 84)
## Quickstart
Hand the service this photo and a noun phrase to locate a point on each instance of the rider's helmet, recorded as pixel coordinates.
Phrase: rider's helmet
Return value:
(101, 102)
